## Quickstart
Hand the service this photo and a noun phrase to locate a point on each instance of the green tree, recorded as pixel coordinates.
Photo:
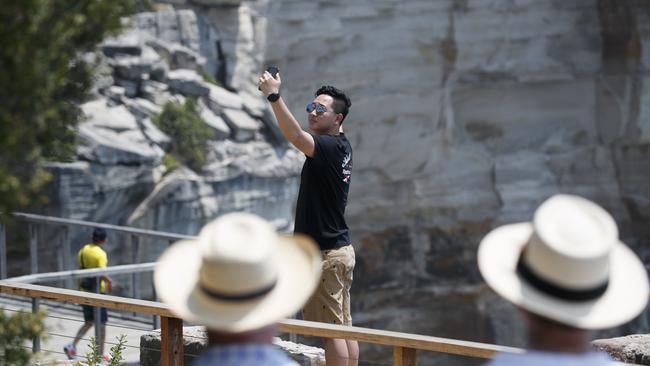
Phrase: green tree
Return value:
(14, 331)
(42, 82)
(187, 130)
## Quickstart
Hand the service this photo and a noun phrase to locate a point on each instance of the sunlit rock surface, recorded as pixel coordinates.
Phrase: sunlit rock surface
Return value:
(466, 115)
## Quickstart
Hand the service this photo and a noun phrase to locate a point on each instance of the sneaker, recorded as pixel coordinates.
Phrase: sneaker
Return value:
(70, 351)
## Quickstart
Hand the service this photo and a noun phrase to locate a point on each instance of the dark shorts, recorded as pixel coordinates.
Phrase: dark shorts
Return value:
(89, 314)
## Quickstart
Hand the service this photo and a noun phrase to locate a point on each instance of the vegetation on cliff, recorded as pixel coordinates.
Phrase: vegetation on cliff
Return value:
(188, 132)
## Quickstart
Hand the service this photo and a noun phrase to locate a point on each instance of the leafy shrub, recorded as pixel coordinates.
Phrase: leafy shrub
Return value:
(14, 331)
(170, 162)
(94, 358)
(187, 130)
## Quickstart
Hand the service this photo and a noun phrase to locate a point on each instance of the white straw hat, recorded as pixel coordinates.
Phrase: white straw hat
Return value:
(239, 275)
(567, 265)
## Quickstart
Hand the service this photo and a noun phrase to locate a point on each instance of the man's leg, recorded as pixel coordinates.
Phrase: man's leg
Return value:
(349, 261)
(70, 349)
(331, 304)
(336, 352)
(80, 333)
(102, 338)
(102, 330)
(88, 322)
(353, 352)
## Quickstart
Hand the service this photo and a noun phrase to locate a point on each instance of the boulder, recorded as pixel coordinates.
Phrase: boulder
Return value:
(176, 55)
(219, 98)
(131, 87)
(195, 342)
(131, 68)
(125, 44)
(156, 92)
(115, 93)
(221, 129)
(153, 133)
(187, 82)
(634, 349)
(141, 108)
(111, 135)
(242, 124)
(217, 2)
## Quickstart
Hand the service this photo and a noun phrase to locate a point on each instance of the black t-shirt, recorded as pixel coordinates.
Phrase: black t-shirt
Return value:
(324, 184)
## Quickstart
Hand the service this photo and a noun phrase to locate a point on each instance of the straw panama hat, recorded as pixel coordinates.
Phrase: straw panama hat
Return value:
(567, 265)
(239, 274)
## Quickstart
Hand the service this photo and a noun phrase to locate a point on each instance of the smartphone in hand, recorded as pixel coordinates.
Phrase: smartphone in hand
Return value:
(273, 70)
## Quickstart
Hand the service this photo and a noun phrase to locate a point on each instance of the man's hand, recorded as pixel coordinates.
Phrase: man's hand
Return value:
(269, 85)
(109, 284)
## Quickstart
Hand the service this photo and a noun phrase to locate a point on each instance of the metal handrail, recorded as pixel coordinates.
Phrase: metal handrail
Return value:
(121, 229)
(82, 273)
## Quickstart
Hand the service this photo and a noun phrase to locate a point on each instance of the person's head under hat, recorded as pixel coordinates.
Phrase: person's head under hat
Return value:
(238, 278)
(567, 271)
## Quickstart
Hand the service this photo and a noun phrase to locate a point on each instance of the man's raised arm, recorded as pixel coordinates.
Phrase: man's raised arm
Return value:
(289, 126)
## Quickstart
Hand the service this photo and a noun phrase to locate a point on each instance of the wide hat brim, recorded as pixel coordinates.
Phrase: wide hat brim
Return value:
(626, 295)
(176, 276)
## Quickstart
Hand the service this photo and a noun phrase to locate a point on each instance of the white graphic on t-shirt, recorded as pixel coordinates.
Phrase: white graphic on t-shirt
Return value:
(346, 172)
(346, 160)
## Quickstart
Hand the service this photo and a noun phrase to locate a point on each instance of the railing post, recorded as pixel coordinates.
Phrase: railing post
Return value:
(33, 249)
(171, 341)
(3, 252)
(36, 342)
(97, 310)
(156, 318)
(134, 242)
(67, 255)
(403, 356)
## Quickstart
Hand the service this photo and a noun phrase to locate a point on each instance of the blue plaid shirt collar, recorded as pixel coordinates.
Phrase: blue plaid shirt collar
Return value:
(244, 355)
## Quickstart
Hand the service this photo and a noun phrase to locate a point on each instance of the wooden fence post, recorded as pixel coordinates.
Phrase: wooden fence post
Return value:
(404, 356)
(171, 341)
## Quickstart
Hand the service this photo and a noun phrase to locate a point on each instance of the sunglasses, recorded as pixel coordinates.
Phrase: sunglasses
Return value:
(319, 108)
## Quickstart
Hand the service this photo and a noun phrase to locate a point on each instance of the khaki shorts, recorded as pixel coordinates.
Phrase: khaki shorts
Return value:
(331, 301)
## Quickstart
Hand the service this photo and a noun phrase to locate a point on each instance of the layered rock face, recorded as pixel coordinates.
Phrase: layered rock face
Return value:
(466, 115)
(120, 175)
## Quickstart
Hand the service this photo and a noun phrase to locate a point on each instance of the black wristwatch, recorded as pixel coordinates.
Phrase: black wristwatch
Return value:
(273, 97)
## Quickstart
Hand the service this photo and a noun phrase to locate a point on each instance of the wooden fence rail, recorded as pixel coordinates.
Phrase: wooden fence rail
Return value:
(404, 345)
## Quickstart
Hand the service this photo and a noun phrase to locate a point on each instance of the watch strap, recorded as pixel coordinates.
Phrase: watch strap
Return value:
(273, 97)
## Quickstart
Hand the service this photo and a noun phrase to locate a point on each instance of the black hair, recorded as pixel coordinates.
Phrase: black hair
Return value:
(99, 234)
(341, 102)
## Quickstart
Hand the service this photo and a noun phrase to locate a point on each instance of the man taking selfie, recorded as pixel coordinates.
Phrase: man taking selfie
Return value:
(324, 185)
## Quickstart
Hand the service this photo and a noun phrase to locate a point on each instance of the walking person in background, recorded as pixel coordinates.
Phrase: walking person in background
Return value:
(92, 256)
(322, 198)
(567, 273)
(238, 279)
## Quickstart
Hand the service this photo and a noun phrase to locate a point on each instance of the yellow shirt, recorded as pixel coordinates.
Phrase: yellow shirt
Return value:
(93, 256)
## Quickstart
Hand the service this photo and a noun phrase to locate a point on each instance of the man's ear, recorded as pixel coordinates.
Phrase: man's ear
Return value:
(339, 118)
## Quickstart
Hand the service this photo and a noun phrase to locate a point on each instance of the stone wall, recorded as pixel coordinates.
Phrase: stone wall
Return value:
(466, 115)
